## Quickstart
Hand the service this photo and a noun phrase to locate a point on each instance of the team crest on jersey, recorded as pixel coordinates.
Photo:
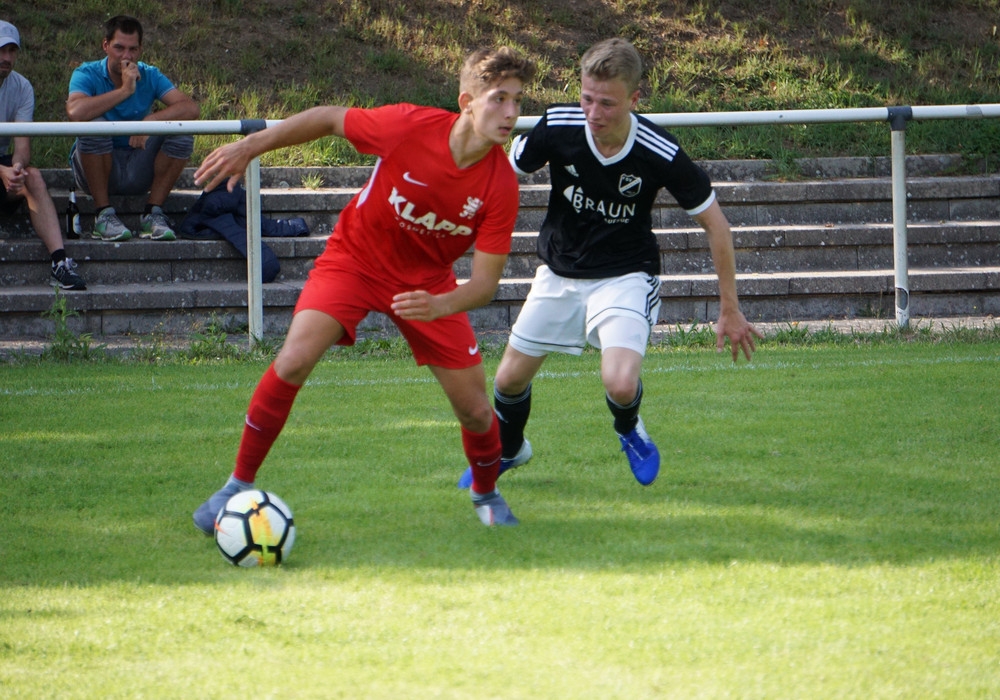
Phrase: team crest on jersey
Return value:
(629, 185)
(571, 169)
(472, 205)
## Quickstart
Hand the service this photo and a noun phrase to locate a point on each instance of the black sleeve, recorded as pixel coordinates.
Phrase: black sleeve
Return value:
(528, 152)
(688, 182)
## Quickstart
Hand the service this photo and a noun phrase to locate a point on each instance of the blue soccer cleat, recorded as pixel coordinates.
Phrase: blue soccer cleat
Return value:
(492, 509)
(204, 516)
(643, 457)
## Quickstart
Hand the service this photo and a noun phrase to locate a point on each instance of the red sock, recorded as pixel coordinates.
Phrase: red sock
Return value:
(269, 408)
(483, 452)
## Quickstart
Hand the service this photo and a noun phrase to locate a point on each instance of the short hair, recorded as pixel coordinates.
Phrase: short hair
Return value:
(123, 24)
(486, 67)
(613, 58)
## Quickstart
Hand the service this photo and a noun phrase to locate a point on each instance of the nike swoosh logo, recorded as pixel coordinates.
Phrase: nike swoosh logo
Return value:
(410, 178)
(474, 349)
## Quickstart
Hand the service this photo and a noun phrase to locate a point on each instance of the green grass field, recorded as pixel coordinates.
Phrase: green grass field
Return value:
(825, 526)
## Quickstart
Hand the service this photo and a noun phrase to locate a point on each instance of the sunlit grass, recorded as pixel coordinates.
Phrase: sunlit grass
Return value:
(824, 525)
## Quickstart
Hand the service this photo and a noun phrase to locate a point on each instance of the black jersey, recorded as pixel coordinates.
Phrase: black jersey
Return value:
(599, 219)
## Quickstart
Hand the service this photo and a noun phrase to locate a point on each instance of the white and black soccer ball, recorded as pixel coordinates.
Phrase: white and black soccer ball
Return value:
(255, 528)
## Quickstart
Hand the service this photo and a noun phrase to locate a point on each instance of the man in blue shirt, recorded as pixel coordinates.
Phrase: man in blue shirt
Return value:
(121, 88)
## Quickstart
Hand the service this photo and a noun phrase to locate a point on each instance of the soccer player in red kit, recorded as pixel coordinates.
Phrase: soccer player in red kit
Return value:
(442, 183)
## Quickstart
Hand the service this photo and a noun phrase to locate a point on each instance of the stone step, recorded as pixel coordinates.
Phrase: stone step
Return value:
(746, 203)
(180, 306)
(813, 249)
(683, 251)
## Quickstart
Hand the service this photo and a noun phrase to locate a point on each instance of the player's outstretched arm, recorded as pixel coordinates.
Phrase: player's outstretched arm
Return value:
(732, 323)
(231, 161)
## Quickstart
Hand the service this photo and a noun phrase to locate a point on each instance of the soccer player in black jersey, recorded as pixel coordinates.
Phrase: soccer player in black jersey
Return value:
(599, 283)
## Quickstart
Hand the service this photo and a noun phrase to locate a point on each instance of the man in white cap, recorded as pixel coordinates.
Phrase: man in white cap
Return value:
(19, 182)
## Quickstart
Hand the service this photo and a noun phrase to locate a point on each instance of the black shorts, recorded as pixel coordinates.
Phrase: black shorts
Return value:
(8, 205)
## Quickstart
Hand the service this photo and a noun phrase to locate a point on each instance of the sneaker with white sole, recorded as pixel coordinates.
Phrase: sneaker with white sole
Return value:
(64, 275)
(108, 227)
(204, 516)
(643, 457)
(156, 226)
(522, 456)
(492, 509)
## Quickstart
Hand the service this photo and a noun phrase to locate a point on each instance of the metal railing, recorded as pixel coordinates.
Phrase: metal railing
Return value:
(896, 117)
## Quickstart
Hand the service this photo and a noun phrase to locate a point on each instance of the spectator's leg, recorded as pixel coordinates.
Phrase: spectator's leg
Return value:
(166, 171)
(172, 156)
(93, 166)
(42, 211)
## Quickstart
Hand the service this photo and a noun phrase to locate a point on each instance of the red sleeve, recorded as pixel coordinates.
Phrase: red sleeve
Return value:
(378, 130)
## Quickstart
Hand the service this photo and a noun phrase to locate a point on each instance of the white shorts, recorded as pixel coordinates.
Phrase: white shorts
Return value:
(563, 314)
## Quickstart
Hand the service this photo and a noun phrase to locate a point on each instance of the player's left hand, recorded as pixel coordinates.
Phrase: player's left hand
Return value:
(416, 306)
(739, 331)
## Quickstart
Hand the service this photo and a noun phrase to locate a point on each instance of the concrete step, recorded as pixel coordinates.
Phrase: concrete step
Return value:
(178, 307)
(746, 203)
(814, 249)
(683, 250)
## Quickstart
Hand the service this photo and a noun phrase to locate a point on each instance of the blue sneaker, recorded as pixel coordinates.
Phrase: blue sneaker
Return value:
(643, 457)
(492, 509)
(204, 517)
(522, 456)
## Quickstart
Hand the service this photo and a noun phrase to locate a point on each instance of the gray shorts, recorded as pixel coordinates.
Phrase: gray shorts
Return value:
(131, 168)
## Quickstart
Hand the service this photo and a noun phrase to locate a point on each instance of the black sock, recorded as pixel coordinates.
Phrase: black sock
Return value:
(58, 256)
(626, 417)
(512, 412)
(148, 210)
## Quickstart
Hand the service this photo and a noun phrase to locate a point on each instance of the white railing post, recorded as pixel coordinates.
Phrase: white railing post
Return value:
(898, 116)
(255, 284)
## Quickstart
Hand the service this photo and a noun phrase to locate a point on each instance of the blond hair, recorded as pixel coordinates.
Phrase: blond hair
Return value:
(611, 59)
(486, 67)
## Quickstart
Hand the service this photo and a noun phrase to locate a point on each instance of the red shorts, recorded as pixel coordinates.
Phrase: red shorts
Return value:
(338, 288)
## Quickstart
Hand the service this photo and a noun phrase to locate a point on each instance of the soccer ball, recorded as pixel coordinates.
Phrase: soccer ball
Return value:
(255, 528)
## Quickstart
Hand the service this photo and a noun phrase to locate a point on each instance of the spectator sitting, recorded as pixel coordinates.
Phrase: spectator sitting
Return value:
(120, 88)
(19, 182)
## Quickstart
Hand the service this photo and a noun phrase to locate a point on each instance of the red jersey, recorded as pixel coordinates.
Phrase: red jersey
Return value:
(419, 212)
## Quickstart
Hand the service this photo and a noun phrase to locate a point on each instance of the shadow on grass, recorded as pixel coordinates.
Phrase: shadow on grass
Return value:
(602, 525)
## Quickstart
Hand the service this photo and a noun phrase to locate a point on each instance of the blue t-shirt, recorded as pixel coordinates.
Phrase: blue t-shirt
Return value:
(92, 79)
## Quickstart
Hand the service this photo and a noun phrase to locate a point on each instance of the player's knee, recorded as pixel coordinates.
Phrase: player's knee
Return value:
(622, 394)
(293, 366)
(621, 386)
(510, 385)
(476, 419)
(513, 378)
